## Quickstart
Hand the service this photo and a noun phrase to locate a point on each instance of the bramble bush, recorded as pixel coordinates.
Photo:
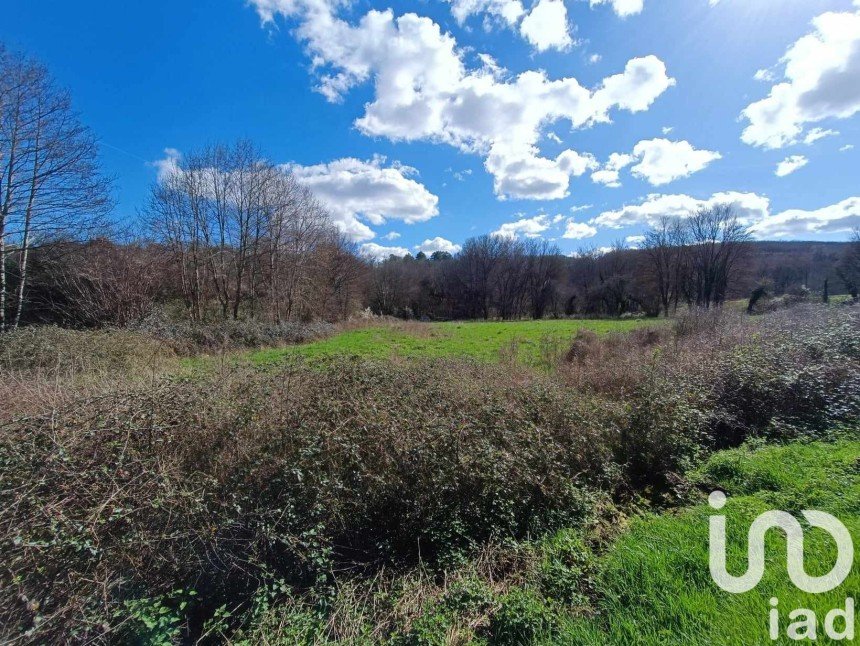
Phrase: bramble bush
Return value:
(200, 505)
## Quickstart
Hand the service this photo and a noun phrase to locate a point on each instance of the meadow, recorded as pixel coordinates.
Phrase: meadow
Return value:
(417, 484)
(530, 341)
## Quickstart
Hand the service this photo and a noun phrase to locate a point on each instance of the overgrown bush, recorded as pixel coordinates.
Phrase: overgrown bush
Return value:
(191, 507)
(222, 484)
(189, 338)
(62, 352)
(720, 378)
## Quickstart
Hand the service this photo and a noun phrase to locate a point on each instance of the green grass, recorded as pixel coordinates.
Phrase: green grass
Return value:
(655, 585)
(530, 340)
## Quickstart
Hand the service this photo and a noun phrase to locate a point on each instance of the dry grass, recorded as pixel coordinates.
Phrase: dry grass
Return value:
(49, 368)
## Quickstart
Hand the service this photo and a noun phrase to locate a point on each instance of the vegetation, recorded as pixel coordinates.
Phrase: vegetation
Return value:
(532, 342)
(422, 501)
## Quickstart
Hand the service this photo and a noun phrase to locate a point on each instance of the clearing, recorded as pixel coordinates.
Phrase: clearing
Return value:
(529, 340)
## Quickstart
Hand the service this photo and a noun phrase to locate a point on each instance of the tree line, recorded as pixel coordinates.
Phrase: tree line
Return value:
(226, 234)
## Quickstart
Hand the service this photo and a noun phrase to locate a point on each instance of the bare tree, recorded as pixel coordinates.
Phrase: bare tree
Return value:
(50, 185)
(478, 261)
(542, 273)
(666, 246)
(661, 251)
(248, 239)
(717, 244)
(849, 266)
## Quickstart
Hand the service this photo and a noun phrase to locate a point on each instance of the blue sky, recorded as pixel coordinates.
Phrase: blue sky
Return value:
(424, 123)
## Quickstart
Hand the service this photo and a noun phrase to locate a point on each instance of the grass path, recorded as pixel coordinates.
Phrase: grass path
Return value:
(480, 340)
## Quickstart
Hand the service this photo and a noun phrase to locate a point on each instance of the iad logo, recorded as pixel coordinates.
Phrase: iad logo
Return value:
(805, 623)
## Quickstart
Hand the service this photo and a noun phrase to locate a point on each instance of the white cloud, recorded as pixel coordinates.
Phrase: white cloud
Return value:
(821, 81)
(583, 207)
(438, 244)
(667, 130)
(578, 230)
(634, 242)
(509, 11)
(546, 26)
(355, 190)
(766, 76)
(798, 224)
(790, 164)
(753, 211)
(662, 161)
(847, 147)
(609, 178)
(623, 8)
(526, 227)
(169, 165)
(377, 252)
(818, 133)
(594, 59)
(423, 90)
(609, 175)
(749, 207)
(391, 235)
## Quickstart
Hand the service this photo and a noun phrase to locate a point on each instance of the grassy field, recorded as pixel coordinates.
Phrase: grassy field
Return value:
(655, 583)
(530, 340)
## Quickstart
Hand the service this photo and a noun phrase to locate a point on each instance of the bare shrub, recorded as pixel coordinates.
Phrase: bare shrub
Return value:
(249, 476)
(42, 368)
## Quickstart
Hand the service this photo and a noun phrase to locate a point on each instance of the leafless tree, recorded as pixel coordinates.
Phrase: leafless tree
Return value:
(716, 245)
(247, 238)
(50, 185)
(543, 271)
(668, 255)
(849, 266)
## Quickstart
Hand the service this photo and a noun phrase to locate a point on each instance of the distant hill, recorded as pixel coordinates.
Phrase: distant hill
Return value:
(786, 265)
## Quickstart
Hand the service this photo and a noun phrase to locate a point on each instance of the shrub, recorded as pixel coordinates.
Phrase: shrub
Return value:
(720, 378)
(523, 618)
(188, 338)
(63, 352)
(223, 483)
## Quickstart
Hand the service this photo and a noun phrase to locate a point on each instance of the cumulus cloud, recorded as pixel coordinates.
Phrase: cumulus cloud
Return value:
(610, 174)
(355, 191)
(790, 164)
(752, 210)
(818, 133)
(623, 8)
(749, 207)
(438, 244)
(634, 242)
(821, 80)
(376, 252)
(578, 230)
(660, 161)
(169, 165)
(424, 90)
(546, 27)
(509, 11)
(525, 227)
(798, 224)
